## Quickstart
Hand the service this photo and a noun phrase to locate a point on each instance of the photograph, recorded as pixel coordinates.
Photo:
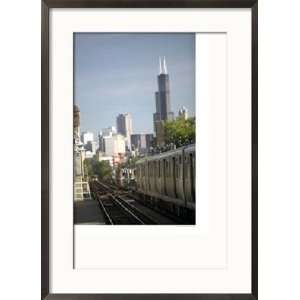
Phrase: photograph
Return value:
(134, 128)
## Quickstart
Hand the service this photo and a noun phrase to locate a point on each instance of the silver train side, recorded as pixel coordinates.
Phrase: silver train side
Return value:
(170, 177)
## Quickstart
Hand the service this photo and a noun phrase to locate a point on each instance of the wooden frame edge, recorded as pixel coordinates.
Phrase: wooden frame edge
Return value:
(150, 3)
(254, 154)
(45, 152)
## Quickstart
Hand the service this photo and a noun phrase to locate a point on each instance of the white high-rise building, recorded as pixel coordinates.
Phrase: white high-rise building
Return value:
(114, 145)
(87, 137)
(104, 133)
(124, 127)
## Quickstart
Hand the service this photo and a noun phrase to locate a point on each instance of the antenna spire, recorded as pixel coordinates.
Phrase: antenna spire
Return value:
(160, 66)
(165, 71)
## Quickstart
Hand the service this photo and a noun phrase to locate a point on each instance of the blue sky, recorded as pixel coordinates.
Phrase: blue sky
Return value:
(117, 73)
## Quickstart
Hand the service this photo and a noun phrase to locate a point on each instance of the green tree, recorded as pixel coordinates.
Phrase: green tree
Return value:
(88, 167)
(180, 132)
(102, 169)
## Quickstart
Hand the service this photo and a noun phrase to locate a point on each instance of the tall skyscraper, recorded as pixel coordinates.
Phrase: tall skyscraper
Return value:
(162, 101)
(124, 127)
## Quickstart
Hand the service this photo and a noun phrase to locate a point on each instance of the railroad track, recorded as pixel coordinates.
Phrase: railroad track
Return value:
(117, 211)
(136, 197)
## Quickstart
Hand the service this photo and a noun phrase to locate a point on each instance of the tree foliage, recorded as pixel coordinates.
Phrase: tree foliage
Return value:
(101, 169)
(180, 132)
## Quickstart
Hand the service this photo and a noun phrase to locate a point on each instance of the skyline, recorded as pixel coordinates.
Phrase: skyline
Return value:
(117, 73)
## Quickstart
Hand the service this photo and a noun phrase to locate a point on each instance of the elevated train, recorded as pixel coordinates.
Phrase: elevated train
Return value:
(169, 179)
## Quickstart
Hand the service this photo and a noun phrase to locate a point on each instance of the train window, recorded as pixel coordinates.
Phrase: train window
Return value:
(180, 159)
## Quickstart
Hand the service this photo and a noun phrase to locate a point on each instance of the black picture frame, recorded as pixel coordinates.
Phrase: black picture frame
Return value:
(45, 255)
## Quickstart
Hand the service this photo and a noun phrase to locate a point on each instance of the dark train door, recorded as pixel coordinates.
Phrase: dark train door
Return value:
(175, 171)
(164, 176)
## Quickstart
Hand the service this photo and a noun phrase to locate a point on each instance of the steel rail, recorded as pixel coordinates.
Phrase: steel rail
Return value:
(117, 203)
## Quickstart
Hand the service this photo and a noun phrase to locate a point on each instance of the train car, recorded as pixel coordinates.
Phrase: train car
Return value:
(169, 176)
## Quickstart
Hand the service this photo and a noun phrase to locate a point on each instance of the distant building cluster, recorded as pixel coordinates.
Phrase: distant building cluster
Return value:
(142, 142)
(118, 143)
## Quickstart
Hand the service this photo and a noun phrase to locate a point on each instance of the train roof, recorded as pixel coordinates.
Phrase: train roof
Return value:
(187, 148)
